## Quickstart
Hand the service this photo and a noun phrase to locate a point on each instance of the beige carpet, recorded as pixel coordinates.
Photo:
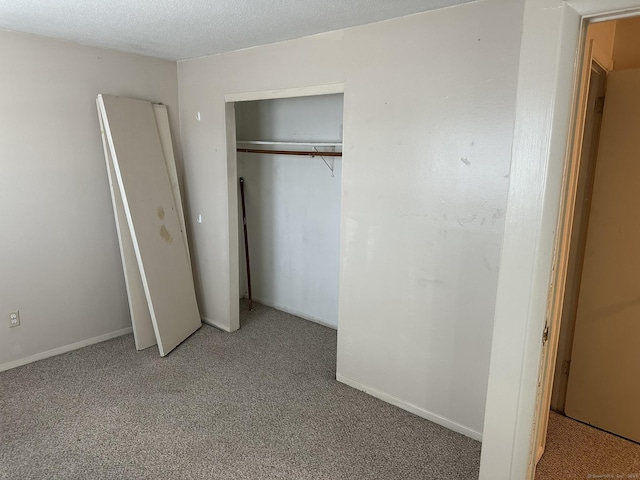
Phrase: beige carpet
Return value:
(259, 403)
(576, 450)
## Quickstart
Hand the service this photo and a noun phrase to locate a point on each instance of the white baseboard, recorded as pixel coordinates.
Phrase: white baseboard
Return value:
(215, 324)
(64, 349)
(292, 311)
(433, 417)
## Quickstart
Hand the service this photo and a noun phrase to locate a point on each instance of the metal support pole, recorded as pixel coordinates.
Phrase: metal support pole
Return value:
(246, 242)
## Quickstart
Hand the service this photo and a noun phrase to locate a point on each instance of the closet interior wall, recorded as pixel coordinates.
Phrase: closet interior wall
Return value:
(293, 206)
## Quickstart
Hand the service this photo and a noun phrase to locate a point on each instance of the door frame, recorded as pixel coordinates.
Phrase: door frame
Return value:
(553, 34)
(232, 176)
(590, 54)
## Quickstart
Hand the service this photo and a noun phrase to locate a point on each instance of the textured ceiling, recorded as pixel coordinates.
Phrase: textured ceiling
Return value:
(179, 29)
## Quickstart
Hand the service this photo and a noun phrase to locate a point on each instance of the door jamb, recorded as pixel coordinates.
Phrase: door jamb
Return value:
(589, 54)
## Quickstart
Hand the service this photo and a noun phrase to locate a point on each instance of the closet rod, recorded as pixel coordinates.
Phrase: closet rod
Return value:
(290, 152)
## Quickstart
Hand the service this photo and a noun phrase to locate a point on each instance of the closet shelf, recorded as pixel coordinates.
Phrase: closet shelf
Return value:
(308, 153)
(293, 144)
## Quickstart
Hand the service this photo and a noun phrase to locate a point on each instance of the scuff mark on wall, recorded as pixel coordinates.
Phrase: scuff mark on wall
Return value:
(462, 221)
(425, 282)
(488, 264)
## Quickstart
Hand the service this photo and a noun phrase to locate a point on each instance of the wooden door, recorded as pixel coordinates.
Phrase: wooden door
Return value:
(604, 381)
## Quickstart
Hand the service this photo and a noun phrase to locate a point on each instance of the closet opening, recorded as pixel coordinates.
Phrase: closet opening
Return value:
(288, 164)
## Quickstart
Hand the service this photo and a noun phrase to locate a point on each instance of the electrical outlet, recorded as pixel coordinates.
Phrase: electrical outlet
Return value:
(14, 319)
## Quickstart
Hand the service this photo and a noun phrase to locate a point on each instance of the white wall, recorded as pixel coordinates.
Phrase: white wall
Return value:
(429, 105)
(293, 206)
(59, 258)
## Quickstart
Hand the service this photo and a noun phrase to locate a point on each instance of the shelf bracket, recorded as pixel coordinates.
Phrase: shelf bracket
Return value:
(329, 166)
